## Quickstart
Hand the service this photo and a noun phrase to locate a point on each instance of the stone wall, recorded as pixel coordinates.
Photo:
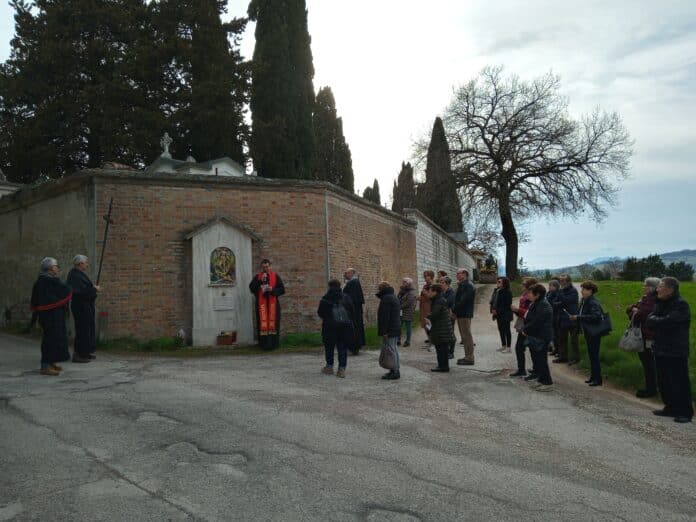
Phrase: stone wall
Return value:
(436, 250)
(59, 224)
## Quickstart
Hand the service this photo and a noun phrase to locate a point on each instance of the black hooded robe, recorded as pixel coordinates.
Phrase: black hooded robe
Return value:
(83, 309)
(49, 299)
(354, 290)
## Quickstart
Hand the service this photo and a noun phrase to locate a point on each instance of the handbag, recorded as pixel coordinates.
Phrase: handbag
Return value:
(599, 329)
(387, 357)
(632, 339)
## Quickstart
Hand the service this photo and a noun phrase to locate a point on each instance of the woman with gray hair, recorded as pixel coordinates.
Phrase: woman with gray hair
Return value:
(639, 313)
(49, 299)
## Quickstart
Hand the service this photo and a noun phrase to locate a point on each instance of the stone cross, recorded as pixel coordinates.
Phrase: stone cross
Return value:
(166, 141)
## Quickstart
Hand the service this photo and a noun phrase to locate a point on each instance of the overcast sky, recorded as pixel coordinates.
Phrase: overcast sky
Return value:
(393, 64)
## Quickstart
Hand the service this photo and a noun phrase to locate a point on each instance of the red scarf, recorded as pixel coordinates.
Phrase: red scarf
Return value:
(268, 306)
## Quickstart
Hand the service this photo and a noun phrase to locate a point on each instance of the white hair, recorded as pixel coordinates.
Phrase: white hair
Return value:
(79, 258)
(408, 281)
(47, 263)
(652, 282)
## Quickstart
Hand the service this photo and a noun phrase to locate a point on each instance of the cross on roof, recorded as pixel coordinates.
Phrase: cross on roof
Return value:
(166, 141)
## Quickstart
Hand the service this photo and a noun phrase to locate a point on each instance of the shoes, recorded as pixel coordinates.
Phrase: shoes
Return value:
(507, 350)
(355, 352)
(56, 367)
(391, 376)
(573, 361)
(644, 394)
(663, 413)
(327, 370)
(559, 360)
(407, 344)
(440, 370)
(595, 383)
(341, 373)
(682, 420)
(77, 358)
(544, 387)
(91, 356)
(588, 381)
(501, 349)
(519, 373)
(49, 371)
(532, 376)
(427, 341)
(465, 362)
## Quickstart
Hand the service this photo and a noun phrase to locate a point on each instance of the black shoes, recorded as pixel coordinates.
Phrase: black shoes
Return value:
(663, 413)
(407, 344)
(519, 373)
(77, 358)
(391, 376)
(644, 394)
(439, 370)
(594, 383)
(682, 420)
(465, 362)
(560, 360)
(532, 376)
(588, 381)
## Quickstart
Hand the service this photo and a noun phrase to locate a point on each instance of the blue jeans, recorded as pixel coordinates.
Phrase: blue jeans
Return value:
(408, 330)
(342, 353)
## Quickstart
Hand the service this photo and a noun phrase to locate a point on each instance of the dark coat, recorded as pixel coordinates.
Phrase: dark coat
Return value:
(552, 297)
(670, 321)
(645, 307)
(464, 300)
(566, 299)
(388, 320)
(441, 331)
(407, 301)
(268, 342)
(539, 320)
(353, 289)
(590, 312)
(503, 304)
(449, 296)
(49, 299)
(331, 332)
(83, 310)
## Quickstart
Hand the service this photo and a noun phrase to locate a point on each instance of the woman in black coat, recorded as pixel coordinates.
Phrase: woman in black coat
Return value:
(49, 300)
(590, 313)
(337, 314)
(538, 333)
(502, 312)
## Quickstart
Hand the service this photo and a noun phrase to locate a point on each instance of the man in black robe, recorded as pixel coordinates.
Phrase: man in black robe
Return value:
(83, 309)
(267, 286)
(353, 288)
(49, 300)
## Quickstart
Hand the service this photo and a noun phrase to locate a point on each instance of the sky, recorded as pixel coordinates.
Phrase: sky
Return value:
(393, 66)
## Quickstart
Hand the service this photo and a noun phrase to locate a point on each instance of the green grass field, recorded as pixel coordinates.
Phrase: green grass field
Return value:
(624, 368)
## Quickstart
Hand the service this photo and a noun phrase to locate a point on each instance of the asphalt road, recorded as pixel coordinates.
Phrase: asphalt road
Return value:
(270, 438)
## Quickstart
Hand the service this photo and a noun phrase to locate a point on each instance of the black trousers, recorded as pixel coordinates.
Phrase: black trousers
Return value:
(504, 331)
(443, 351)
(519, 352)
(454, 339)
(647, 359)
(674, 384)
(541, 364)
(593, 351)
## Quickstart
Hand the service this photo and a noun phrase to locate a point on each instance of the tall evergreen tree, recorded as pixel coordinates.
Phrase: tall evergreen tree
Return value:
(282, 93)
(372, 193)
(206, 80)
(404, 194)
(438, 197)
(332, 159)
(73, 90)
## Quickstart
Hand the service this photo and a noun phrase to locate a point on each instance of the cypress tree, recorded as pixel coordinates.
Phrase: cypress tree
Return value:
(206, 80)
(372, 193)
(282, 93)
(404, 194)
(437, 197)
(332, 159)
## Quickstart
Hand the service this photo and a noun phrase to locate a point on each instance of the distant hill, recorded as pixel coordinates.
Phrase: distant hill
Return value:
(688, 256)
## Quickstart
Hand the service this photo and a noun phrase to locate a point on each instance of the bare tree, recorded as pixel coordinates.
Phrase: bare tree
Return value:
(614, 267)
(517, 152)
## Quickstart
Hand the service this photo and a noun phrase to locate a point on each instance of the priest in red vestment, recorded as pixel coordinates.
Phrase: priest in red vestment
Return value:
(267, 287)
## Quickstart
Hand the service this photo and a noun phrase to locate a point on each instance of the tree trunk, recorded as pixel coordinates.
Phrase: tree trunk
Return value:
(509, 234)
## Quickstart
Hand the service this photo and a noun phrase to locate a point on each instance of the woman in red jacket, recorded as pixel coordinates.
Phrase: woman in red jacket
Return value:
(639, 312)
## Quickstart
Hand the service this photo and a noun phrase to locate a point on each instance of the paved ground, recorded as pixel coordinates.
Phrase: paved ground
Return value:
(270, 438)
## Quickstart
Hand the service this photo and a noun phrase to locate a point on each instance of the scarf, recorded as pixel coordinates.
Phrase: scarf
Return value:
(268, 306)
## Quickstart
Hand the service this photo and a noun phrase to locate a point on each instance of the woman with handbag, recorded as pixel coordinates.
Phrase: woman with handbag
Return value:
(521, 311)
(638, 313)
(589, 317)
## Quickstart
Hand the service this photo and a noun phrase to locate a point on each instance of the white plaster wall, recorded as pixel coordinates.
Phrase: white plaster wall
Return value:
(207, 322)
(436, 250)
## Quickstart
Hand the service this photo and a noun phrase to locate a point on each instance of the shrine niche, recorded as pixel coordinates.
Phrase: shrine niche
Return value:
(223, 267)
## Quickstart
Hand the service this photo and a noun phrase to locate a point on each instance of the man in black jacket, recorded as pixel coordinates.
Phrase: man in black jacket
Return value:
(353, 288)
(670, 322)
(566, 300)
(464, 310)
(389, 323)
(84, 294)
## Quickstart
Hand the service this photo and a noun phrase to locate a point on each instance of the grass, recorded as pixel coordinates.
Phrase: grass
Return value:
(621, 367)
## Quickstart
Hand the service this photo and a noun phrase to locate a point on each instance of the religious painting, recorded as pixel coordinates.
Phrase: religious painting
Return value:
(222, 267)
